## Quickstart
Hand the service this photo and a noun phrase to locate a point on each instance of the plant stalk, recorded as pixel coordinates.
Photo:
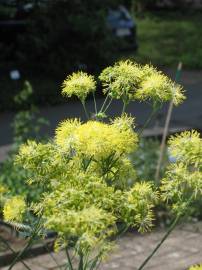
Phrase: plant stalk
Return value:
(124, 107)
(81, 262)
(166, 127)
(173, 225)
(13, 251)
(106, 98)
(152, 114)
(69, 263)
(85, 110)
(107, 107)
(17, 258)
(95, 104)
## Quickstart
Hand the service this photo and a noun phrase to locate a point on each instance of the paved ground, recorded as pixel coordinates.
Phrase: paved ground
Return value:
(182, 249)
(188, 114)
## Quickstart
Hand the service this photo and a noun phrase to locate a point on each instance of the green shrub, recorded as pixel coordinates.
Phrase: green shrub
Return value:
(145, 159)
(68, 35)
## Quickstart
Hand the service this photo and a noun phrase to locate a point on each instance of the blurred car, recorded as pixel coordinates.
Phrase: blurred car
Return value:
(14, 15)
(123, 26)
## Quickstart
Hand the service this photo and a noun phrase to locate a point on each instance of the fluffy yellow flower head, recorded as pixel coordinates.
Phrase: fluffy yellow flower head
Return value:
(158, 87)
(3, 189)
(79, 84)
(141, 211)
(129, 81)
(187, 147)
(98, 139)
(121, 80)
(65, 132)
(14, 209)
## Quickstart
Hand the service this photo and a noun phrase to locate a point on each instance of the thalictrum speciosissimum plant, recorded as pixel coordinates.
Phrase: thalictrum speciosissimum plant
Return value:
(85, 170)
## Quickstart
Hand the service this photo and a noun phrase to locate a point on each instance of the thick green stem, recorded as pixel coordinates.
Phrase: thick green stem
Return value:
(124, 107)
(81, 262)
(13, 251)
(173, 225)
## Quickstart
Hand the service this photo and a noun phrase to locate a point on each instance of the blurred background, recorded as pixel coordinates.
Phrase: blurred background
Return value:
(42, 41)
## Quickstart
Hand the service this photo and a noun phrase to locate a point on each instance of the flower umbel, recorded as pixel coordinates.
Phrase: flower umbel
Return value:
(187, 147)
(158, 87)
(182, 184)
(129, 81)
(14, 209)
(98, 139)
(122, 80)
(79, 84)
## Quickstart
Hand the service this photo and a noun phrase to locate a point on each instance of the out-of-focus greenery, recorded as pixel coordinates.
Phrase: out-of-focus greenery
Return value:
(67, 35)
(145, 159)
(165, 38)
(46, 91)
(26, 125)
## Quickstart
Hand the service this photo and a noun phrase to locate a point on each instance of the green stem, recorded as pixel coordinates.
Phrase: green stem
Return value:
(50, 254)
(95, 262)
(154, 111)
(166, 128)
(107, 107)
(124, 107)
(95, 104)
(13, 251)
(85, 110)
(173, 225)
(17, 258)
(21, 253)
(81, 262)
(69, 263)
(104, 103)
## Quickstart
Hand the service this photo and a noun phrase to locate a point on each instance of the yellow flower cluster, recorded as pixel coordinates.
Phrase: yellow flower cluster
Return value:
(159, 88)
(128, 81)
(183, 180)
(121, 80)
(14, 209)
(65, 132)
(140, 212)
(86, 207)
(3, 189)
(79, 84)
(86, 169)
(98, 139)
(187, 148)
